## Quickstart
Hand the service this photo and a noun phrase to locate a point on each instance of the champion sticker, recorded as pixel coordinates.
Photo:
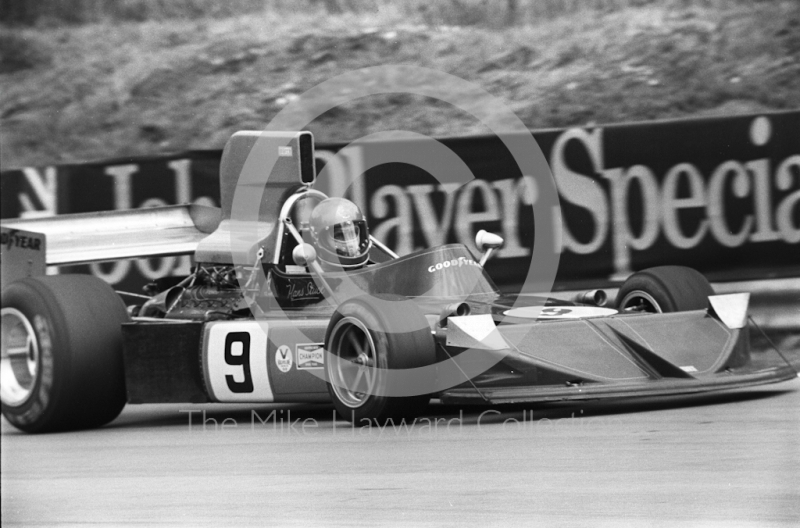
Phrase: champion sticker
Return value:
(310, 356)
(283, 358)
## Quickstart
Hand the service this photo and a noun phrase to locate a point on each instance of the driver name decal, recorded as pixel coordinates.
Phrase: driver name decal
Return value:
(300, 291)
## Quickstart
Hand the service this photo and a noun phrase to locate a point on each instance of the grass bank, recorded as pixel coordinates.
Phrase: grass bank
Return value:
(112, 86)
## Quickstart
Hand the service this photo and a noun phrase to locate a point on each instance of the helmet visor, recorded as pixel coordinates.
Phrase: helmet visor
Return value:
(347, 239)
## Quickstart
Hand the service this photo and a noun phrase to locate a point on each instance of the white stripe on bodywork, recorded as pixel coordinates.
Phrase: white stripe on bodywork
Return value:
(216, 369)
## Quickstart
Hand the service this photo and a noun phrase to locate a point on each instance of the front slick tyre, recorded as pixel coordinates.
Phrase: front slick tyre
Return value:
(369, 340)
(664, 289)
(62, 365)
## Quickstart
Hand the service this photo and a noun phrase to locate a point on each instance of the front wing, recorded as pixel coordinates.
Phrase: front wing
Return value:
(664, 387)
(619, 356)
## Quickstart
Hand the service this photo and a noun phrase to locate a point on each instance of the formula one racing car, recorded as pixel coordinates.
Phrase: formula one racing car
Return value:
(292, 300)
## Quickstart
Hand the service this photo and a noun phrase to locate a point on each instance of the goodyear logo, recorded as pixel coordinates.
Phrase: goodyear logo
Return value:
(11, 239)
(454, 263)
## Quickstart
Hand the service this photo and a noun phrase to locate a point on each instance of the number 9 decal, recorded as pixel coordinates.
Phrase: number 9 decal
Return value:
(235, 362)
(243, 359)
(559, 312)
(555, 312)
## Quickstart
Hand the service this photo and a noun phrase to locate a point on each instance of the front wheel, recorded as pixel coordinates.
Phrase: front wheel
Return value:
(664, 289)
(369, 339)
(61, 366)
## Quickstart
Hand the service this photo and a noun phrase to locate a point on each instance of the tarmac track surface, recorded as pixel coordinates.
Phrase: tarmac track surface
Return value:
(726, 459)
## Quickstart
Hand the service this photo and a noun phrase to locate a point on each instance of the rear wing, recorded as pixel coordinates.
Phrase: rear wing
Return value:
(30, 245)
(177, 230)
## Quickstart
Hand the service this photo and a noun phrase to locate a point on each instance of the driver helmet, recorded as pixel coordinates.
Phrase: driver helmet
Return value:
(339, 234)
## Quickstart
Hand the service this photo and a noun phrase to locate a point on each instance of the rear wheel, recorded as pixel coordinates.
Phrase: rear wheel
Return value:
(664, 289)
(61, 365)
(369, 340)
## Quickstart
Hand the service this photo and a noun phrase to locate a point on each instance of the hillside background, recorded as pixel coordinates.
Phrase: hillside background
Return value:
(91, 79)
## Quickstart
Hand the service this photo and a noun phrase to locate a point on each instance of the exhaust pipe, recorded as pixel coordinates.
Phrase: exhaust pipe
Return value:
(453, 310)
(594, 297)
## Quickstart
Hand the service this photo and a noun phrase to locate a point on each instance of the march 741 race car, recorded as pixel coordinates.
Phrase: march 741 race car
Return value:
(296, 302)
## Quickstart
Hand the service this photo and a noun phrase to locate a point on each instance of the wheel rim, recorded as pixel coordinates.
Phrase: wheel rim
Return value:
(19, 359)
(352, 372)
(640, 301)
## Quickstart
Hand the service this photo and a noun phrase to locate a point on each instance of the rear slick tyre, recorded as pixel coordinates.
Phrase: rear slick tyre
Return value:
(62, 365)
